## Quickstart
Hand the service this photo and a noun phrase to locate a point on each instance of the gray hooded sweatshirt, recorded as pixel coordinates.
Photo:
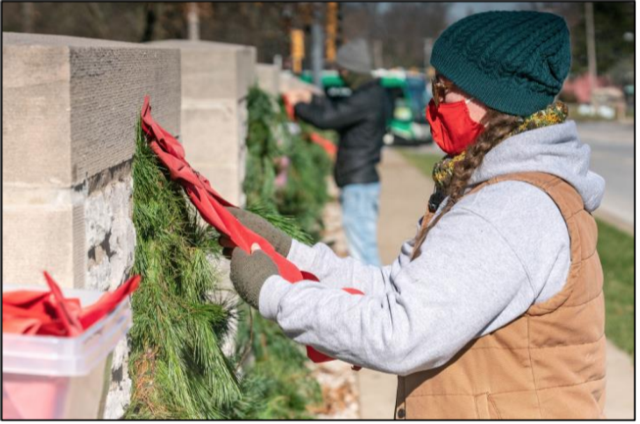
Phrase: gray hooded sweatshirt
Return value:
(494, 255)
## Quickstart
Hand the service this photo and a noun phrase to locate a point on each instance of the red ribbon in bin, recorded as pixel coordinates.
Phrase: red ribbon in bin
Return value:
(49, 313)
(212, 206)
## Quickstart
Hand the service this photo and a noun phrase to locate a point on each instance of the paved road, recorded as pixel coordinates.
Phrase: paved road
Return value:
(612, 156)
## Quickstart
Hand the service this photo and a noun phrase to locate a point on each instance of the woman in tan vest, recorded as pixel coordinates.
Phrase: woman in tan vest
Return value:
(495, 308)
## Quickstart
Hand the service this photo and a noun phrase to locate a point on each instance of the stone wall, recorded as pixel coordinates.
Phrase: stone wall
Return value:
(70, 109)
(69, 112)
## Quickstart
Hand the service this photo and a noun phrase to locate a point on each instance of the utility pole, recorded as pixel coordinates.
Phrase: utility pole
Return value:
(27, 16)
(591, 47)
(428, 47)
(316, 46)
(277, 61)
(297, 50)
(331, 31)
(377, 54)
(193, 20)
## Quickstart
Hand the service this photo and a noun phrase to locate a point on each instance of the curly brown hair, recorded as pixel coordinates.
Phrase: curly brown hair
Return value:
(498, 127)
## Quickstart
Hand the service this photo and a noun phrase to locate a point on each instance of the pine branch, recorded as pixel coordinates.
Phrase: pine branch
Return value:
(177, 365)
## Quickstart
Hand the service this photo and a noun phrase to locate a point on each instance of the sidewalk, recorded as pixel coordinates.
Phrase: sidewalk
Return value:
(403, 200)
(404, 196)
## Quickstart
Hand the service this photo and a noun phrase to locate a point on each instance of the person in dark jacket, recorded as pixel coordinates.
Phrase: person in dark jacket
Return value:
(360, 121)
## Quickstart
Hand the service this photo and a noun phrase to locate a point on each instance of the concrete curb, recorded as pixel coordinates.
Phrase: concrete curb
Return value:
(614, 220)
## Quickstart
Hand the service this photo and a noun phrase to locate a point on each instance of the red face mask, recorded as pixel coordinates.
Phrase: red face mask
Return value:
(451, 126)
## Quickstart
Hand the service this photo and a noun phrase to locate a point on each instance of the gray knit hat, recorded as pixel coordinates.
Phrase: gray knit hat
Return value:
(355, 56)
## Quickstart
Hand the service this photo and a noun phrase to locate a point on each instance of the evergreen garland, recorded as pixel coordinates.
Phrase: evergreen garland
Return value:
(305, 194)
(277, 383)
(177, 367)
(270, 142)
(293, 204)
(262, 151)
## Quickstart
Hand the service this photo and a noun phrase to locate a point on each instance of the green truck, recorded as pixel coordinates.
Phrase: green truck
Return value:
(408, 126)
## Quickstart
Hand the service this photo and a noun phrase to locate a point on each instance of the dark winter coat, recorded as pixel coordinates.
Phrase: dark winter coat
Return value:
(361, 122)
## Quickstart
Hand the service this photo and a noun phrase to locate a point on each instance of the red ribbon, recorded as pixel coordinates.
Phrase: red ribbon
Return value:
(327, 145)
(49, 313)
(212, 206)
(288, 107)
(330, 148)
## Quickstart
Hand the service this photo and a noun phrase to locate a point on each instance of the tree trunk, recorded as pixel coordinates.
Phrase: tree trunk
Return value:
(194, 21)
(591, 47)
(150, 23)
(27, 17)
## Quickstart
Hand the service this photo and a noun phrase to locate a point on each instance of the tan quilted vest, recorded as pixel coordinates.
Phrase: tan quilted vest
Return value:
(549, 363)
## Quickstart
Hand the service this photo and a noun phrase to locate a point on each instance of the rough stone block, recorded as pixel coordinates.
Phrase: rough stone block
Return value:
(42, 232)
(70, 108)
(212, 135)
(70, 105)
(212, 70)
(109, 233)
(268, 77)
(223, 178)
(120, 386)
(83, 236)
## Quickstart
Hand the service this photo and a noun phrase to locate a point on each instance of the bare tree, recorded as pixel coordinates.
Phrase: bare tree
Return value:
(28, 13)
(400, 28)
(407, 25)
(359, 20)
(150, 22)
(193, 18)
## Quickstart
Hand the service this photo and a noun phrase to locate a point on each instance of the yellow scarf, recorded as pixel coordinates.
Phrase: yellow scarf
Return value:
(555, 113)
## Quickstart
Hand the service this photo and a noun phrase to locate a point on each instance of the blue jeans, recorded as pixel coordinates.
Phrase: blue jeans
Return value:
(359, 219)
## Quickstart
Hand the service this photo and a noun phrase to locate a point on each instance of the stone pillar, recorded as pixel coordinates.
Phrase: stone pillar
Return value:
(69, 112)
(268, 78)
(216, 78)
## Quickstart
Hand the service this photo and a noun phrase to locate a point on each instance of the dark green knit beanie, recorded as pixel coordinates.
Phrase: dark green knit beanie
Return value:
(514, 62)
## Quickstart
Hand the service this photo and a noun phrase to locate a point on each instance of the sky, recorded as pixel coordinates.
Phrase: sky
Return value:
(461, 9)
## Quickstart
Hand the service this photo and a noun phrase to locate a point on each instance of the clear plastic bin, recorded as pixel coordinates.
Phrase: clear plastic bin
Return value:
(46, 377)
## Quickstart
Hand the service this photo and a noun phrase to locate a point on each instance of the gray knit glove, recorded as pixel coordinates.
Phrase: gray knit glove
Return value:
(277, 238)
(249, 272)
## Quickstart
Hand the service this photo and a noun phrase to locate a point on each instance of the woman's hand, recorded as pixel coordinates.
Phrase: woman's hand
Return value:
(227, 246)
(298, 95)
(277, 238)
(249, 272)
